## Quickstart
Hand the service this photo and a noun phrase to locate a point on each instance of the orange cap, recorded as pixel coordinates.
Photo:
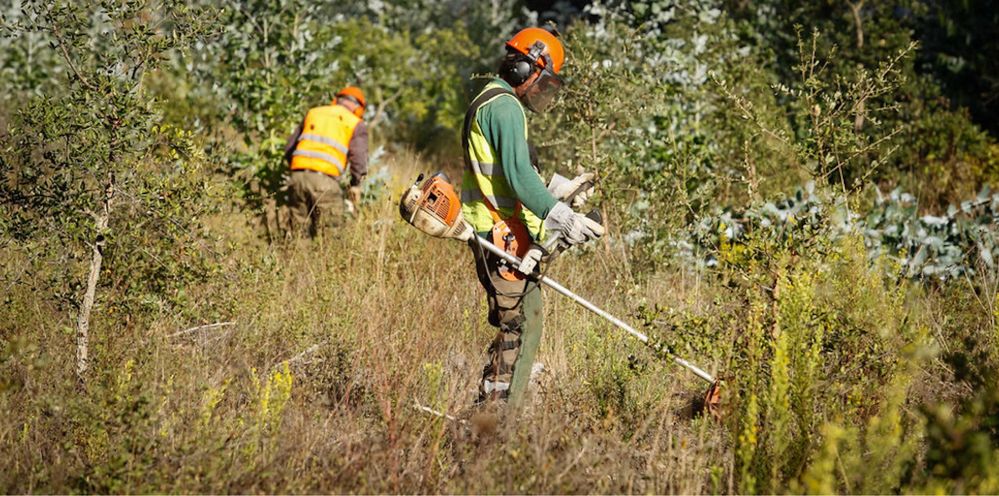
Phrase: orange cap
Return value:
(527, 37)
(355, 93)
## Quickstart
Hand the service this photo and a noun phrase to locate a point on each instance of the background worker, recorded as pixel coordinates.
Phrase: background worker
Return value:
(506, 201)
(331, 140)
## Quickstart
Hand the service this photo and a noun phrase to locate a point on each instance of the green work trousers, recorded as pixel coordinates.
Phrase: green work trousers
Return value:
(315, 200)
(515, 307)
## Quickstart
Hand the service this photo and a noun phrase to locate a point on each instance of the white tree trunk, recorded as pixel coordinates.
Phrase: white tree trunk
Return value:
(97, 257)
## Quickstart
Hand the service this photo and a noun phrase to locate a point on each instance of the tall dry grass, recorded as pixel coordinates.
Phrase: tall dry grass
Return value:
(312, 387)
(298, 367)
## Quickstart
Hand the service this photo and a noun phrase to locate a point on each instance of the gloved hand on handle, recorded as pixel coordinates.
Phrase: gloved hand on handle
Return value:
(353, 200)
(562, 188)
(569, 227)
(531, 259)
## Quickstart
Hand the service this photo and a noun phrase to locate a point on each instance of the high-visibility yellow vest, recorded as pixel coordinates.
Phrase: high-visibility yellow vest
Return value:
(325, 139)
(485, 191)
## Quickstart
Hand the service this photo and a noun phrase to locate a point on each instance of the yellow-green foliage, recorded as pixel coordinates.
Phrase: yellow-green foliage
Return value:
(271, 396)
(777, 427)
(212, 397)
(749, 436)
(830, 352)
(433, 373)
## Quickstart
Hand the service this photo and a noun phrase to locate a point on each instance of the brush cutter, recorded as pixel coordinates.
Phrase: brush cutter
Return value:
(433, 207)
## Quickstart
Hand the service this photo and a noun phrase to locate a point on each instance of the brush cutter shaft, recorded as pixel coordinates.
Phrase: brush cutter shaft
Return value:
(589, 306)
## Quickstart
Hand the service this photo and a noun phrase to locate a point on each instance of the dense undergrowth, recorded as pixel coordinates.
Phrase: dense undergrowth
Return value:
(855, 336)
(838, 377)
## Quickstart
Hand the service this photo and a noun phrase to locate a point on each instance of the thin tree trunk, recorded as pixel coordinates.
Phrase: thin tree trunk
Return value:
(857, 21)
(97, 257)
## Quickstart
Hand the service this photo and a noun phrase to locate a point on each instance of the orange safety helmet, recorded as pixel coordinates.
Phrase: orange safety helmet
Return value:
(357, 95)
(534, 51)
(549, 48)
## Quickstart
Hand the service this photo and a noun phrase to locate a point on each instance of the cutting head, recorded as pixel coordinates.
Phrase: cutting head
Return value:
(433, 207)
(712, 400)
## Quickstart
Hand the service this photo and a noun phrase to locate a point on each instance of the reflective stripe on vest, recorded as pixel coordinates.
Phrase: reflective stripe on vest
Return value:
(469, 195)
(487, 169)
(484, 180)
(325, 140)
(325, 157)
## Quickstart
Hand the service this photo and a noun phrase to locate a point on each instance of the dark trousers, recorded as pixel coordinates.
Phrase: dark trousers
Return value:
(516, 309)
(315, 200)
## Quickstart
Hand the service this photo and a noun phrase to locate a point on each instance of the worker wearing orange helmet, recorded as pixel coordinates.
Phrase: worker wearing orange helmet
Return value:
(331, 141)
(506, 201)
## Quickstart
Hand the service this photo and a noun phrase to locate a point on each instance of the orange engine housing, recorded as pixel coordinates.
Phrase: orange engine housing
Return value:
(440, 198)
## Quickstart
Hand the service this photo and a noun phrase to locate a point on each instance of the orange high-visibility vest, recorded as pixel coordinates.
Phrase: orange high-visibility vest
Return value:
(324, 141)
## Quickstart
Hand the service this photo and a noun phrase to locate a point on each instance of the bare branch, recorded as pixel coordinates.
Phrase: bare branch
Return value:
(202, 328)
(857, 21)
(69, 61)
(380, 109)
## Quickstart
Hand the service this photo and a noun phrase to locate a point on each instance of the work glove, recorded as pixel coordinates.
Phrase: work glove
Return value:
(562, 188)
(354, 194)
(571, 227)
(531, 259)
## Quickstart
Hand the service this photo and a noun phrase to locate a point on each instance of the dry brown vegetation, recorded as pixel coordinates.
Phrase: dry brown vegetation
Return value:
(313, 386)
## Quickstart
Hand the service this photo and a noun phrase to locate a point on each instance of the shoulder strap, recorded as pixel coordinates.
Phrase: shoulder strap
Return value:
(473, 108)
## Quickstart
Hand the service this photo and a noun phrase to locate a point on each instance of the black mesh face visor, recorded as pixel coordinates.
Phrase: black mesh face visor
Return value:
(541, 93)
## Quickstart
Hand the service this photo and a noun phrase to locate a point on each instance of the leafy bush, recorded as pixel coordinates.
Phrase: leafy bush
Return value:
(92, 178)
(923, 246)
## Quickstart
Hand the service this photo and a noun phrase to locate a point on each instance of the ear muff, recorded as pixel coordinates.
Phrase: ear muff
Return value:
(518, 70)
(522, 69)
(525, 65)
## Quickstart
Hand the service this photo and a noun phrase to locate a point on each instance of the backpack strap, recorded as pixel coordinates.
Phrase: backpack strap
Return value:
(473, 108)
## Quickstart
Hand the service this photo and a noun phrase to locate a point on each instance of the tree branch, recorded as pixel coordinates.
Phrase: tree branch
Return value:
(380, 109)
(202, 328)
(69, 61)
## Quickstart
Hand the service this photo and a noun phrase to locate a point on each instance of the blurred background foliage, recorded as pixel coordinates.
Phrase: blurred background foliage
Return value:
(798, 194)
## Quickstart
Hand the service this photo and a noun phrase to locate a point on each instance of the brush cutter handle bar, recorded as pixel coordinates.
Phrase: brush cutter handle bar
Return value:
(582, 187)
(589, 306)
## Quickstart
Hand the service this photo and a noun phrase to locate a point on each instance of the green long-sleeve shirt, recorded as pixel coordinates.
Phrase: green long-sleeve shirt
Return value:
(502, 122)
